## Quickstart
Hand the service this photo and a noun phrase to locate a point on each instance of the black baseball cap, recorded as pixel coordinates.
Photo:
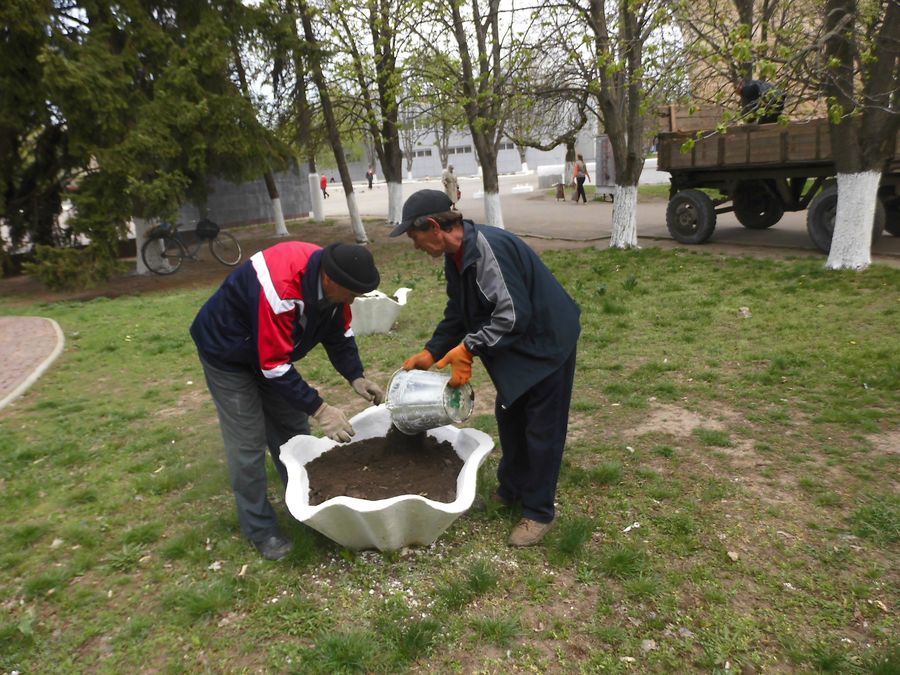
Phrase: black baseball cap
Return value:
(421, 203)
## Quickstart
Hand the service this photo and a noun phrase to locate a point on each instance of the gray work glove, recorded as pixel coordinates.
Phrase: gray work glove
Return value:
(368, 390)
(333, 423)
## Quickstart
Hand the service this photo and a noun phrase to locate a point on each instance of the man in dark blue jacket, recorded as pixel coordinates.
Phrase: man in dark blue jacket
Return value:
(268, 313)
(507, 308)
(761, 101)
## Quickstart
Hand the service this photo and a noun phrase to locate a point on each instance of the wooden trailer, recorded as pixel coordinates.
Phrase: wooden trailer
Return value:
(759, 171)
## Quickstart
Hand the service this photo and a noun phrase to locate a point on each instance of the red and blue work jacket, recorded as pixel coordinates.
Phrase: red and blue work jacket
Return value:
(270, 312)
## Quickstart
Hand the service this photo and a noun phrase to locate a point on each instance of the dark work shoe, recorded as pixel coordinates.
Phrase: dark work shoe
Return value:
(274, 547)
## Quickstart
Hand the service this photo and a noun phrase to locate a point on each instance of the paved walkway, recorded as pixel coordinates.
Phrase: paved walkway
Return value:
(28, 345)
(528, 212)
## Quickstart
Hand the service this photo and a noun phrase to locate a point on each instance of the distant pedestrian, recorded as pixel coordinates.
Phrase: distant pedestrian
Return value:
(323, 183)
(370, 176)
(580, 174)
(451, 184)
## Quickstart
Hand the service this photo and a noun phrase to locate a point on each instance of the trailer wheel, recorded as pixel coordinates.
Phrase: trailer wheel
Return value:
(755, 207)
(820, 218)
(690, 217)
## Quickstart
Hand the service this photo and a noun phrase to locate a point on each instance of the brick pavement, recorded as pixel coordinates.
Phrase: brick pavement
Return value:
(28, 344)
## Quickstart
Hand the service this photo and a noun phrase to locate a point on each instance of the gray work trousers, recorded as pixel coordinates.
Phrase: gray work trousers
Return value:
(251, 417)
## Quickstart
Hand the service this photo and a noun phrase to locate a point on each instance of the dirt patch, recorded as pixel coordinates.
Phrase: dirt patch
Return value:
(384, 467)
(671, 419)
(888, 442)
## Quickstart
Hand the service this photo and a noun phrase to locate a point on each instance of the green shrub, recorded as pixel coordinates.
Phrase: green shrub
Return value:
(72, 268)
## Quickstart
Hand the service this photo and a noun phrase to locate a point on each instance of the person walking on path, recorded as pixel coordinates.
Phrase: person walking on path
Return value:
(451, 184)
(323, 183)
(370, 176)
(505, 307)
(579, 174)
(268, 313)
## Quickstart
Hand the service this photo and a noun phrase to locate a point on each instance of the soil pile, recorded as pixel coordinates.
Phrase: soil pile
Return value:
(384, 467)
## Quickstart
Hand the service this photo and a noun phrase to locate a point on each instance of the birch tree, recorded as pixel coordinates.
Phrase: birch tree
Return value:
(861, 77)
(633, 60)
(315, 51)
(370, 34)
(268, 176)
(482, 81)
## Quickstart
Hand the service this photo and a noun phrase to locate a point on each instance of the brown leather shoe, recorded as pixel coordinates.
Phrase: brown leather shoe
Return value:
(529, 532)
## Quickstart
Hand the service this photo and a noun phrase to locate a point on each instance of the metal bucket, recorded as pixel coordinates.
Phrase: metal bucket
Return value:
(419, 400)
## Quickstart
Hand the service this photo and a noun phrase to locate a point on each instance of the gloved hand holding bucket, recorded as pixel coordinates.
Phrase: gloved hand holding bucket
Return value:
(419, 400)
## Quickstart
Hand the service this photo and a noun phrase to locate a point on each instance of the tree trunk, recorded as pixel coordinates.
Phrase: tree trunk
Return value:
(304, 114)
(493, 211)
(569, 168)
(280, 228)
(624, 218)
(864, 122)
(141, 228)
(316, 199)
(483, 96)
(852, 241)
(334, 135)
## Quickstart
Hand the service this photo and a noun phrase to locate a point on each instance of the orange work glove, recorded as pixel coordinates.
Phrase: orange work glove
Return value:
(460, 360)
(421, 361)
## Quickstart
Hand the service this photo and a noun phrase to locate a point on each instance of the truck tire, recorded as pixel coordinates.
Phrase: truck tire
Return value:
(820, 218)
(690, 217)
(755, 206)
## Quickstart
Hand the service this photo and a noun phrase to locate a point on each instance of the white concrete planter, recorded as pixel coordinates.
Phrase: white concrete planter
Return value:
(384, 524)
(375, 312)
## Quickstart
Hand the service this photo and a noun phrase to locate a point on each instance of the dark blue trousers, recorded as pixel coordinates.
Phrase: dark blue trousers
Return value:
(532, 438)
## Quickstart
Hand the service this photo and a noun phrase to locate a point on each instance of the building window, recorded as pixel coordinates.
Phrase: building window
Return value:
(507, 146)
(422, 153)
(460, 150)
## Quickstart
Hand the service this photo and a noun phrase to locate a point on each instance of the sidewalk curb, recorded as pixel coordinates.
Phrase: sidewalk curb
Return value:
(40, 369)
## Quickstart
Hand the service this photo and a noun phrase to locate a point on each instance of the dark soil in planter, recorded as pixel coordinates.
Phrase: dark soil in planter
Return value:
(384, 467)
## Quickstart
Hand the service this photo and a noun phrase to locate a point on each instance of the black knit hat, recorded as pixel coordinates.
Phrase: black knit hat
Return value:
(421, 203)
(350, 266)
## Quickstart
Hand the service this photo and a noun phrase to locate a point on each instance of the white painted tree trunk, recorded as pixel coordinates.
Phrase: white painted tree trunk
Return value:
(355, 221)
(409, 175)
(141, 227)
(280, 228)
(851, 245)
(492, 211)
(524, 167)
(395, 202)
(315, 194)
(624, 219)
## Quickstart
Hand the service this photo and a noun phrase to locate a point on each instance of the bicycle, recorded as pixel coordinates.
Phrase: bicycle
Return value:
(165, 250)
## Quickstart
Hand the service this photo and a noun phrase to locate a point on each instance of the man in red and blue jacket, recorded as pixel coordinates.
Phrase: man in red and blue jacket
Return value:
(268, 313)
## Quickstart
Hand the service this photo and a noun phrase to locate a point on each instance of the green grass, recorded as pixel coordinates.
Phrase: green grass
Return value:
(769, 438)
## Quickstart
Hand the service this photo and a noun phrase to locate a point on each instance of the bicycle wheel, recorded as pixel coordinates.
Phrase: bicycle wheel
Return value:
(163, 255)
(226, 249)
